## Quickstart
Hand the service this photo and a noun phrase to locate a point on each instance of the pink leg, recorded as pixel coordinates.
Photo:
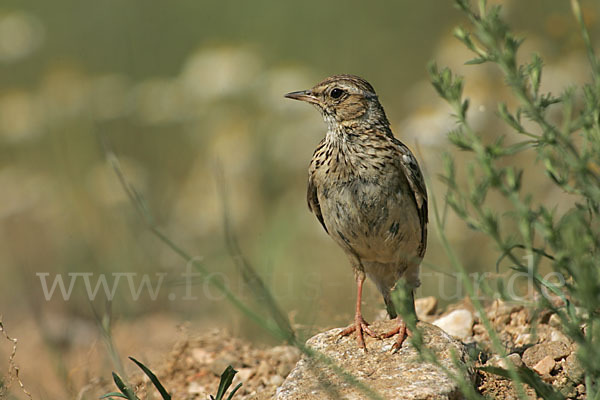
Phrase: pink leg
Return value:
(359, 325)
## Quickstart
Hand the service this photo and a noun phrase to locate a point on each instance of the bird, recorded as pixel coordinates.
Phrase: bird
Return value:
(367, 190)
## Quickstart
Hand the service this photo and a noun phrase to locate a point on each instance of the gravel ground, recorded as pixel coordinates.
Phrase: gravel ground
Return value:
(193, 367)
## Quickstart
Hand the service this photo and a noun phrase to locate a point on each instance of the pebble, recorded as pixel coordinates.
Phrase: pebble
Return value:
(458, 323)
(244, 374)
(196, 389)
(524, 338)
(276, 380)
(202, 356)
(555, 321)
(497, 361)
(545, 365)
(501, 308)
(557, 336)
(425, 306)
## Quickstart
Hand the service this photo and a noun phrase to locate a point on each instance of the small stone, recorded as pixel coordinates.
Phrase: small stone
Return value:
(523, 339)
(276, 380)
(544, 366)
(580, 388)
(500, 308)
(497, 361)
(425, 306)
(458, 323)
(513, 358)
(555, 321)
(534, 354)
(557, 336)
(244, 374)
(196, 389)
(202, 356)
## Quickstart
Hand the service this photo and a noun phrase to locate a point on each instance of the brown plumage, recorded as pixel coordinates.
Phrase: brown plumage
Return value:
(366, 189)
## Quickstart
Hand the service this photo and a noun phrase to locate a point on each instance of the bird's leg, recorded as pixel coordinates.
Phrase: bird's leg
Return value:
(401, 330)
(359, 325)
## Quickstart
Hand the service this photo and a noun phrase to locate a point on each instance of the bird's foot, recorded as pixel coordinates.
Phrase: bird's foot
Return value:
(402, 331)
(360, 326)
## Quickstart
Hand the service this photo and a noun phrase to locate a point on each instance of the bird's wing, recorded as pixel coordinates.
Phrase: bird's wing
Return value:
(313, 202)
(413, 175)
(311, 195)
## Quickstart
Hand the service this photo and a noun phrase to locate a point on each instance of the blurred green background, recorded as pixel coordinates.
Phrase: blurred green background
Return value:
(182, 89)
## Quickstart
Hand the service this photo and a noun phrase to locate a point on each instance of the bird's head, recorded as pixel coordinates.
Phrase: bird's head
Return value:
(345, 101)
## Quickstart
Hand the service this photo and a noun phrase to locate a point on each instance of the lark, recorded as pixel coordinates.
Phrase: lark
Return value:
(366, 189)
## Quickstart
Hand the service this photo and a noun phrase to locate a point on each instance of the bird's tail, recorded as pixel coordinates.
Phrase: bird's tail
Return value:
(389, 305)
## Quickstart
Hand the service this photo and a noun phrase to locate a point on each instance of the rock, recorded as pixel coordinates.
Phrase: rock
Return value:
(534, 354)
(545, 365)
(557, 336)
(276, 380)
(523, 339)
(195, 388)
(202, 356)
(501, 308)
(425, 307)
(573, 368)
(497, 361)
(555, 321)
(458, 323)
(400, 375)
(244, 374)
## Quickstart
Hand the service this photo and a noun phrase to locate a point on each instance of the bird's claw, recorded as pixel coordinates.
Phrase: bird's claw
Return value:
(360, 326)
(402, 331)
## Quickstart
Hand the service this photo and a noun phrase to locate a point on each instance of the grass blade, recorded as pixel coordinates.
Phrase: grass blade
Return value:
(226, 379)
(161, 389)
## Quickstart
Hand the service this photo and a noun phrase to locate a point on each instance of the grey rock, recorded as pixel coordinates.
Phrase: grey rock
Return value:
(392, 376)
(573, 368)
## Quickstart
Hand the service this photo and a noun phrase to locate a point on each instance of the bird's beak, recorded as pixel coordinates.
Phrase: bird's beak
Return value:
(303, 95)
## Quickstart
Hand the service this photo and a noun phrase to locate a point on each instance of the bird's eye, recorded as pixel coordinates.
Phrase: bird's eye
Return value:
(336, 93)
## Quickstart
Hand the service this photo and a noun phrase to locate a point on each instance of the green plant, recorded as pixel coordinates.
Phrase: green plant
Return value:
(125, 391)
(226, 379)
(562, 133)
